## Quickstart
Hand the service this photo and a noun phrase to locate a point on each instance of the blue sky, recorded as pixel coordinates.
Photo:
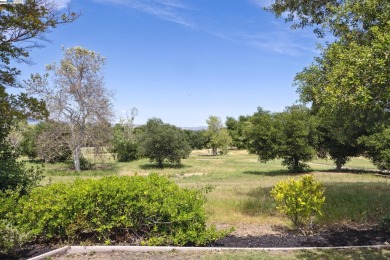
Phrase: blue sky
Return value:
(184, 60)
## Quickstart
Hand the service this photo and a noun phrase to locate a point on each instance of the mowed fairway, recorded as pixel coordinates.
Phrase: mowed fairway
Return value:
(237, 187)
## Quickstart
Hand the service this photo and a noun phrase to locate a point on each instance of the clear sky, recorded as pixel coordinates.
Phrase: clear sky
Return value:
(184, 60)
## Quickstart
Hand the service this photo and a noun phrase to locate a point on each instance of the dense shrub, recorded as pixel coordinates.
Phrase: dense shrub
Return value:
(378, 148)
(125, 151)
(152, 210)
(14, 174)
(300, 200)
(11, 237)
(85, 164)
(384, 223)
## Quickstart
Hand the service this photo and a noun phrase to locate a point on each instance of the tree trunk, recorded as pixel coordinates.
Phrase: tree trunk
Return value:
(76, 158)
(160, 163)
(339, 163)
(215, 151)
(296, 164)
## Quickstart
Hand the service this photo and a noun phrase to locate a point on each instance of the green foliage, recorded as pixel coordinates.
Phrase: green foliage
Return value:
(13, 174)
(126, 151)
(163, 142)
(235, 129)
(196, 139)
(124, 143)
(263, 135)
(378, 148)
(152, 208)
(28, 143)
(11, 237)
(300, 200)
(384, 223)
(85, 164)
(218, 137)
(347, 84)
(46, 141)
(290, 135)
(299, 137)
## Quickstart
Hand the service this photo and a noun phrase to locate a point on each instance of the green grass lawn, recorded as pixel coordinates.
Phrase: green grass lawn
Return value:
(240, 186)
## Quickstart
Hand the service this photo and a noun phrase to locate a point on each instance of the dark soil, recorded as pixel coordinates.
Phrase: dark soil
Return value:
(29, 251)
(331, 237)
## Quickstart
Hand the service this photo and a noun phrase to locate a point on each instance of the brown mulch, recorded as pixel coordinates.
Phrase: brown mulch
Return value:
(331, 237)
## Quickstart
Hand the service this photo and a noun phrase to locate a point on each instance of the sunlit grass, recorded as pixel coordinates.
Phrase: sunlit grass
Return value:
(241, 186)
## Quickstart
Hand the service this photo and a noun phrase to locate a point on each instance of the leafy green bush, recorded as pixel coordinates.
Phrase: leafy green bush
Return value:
(14, 174)
(10, 236)
(153, 210)
(85, 164)
(125, 151)
(384, 223)
(300, 200)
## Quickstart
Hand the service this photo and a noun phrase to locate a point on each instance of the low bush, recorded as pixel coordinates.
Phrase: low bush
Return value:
(125, 151)
(384, 223)
(11, 237)
(300, 200)
(151, 210)
(85, 164)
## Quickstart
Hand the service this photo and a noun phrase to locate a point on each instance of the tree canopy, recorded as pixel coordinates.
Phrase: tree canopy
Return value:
(291, 135)
(161, 142)
(218, 137)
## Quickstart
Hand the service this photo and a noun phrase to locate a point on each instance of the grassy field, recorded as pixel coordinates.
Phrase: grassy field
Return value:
(240, 186)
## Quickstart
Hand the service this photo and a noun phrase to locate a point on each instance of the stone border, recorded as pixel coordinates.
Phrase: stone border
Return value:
(72, 250)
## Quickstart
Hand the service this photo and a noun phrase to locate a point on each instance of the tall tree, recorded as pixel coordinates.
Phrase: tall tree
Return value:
(162, 142)
(290, 135)
(76, 96)
(263, 135)
(350, 81)
(124, 141)
(218, 136)
(22, 28)
(235, 129)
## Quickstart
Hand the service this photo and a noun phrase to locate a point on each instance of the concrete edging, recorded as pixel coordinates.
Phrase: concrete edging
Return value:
(59, 251)
(71, 250)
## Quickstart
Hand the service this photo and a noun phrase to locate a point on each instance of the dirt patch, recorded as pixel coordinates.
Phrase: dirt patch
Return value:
(190, 174)
(131, 173)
